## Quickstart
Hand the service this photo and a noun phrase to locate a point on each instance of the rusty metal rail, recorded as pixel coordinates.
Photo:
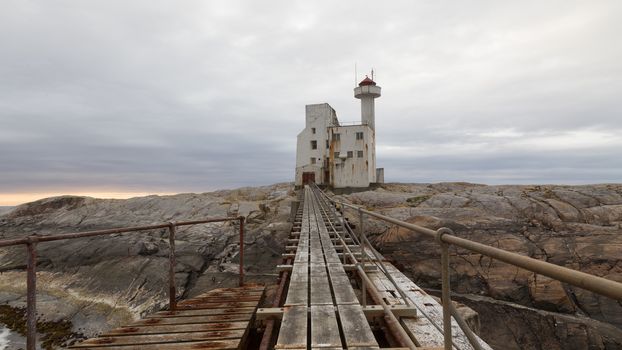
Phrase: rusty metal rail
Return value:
(446, 237)
(31, 246)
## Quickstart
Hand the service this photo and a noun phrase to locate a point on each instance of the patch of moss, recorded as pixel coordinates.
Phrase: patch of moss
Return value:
(55, 333)
(415, 201)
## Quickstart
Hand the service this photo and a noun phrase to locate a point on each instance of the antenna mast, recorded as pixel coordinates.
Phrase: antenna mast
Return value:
(355, 75)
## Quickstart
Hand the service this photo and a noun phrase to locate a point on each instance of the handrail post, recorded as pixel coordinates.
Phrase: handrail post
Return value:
(363, 260)
(241, 282)
(445, 295)
(31, 291)
(172, 290)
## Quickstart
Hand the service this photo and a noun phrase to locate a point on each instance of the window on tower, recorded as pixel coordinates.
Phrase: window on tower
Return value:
(314, 144)
(359, 135)
(313, 130)
(359, 154)
(312, 160)
(336, 137)
(350, 154)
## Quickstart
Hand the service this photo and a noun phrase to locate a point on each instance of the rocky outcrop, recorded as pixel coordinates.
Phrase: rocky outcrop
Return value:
(101, 282)
(575, 226)
(515, 327)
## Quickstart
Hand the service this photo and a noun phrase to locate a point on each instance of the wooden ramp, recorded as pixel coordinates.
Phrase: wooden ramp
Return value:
(218, 319)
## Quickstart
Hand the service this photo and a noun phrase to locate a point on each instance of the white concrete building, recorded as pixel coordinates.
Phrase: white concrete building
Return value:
(337, 155)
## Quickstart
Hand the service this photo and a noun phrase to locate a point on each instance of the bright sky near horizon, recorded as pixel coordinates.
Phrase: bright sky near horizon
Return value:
(110, 97)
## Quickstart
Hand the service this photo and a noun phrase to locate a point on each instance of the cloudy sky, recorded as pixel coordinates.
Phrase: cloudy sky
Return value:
(115, 98)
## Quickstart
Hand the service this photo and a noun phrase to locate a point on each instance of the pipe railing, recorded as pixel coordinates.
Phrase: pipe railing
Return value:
(32, 241)
(446, 237)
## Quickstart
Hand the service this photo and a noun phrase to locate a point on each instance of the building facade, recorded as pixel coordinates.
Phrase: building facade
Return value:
(337, 155)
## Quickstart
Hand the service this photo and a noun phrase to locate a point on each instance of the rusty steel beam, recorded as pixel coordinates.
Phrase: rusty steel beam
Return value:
(267, 334)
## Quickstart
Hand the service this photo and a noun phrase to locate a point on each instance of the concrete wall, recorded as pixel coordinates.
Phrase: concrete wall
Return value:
(380, 175)
(368, 94)
(318, 116)
(355, 171)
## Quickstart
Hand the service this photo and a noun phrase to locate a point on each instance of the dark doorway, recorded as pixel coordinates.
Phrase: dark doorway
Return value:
(308, 177)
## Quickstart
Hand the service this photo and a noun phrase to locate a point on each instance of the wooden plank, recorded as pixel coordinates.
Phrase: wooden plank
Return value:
(193, 319)
(230, 344)
(220, 299)
(300, 273)
(421, 328)
(320, 291)
(324, 328)
(336, 271)
(293, 333)
(297, 294)
(385, 288)
(177, 328)
(356, 330)
(269, 313)
(318, 270)
(344, 293)
(332, 257)
(301, 257)
(203, 312)
(316, 257)
(161, 338)
(193, 305)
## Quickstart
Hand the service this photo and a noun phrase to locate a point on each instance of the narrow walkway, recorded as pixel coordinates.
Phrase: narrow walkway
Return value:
(218, 319)
(321, 310)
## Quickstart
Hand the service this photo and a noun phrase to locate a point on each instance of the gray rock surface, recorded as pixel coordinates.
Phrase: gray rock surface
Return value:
(102, 282)
(579, 227)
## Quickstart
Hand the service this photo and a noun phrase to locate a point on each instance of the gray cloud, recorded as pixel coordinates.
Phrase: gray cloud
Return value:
(162, 96)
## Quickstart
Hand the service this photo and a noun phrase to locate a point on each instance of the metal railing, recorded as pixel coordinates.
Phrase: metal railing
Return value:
(32, 241)
(446, 237)
(351, 123)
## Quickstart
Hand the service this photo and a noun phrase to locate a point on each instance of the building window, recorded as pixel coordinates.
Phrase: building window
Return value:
(359, 135)
(314, 144)
(327, 144)
(350, 154)
(313, 130)
(312, 160)
(359, 154)
(336, 155)
(336, 137)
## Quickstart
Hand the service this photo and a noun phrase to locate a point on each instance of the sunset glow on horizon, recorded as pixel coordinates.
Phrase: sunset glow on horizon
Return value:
(13, 199)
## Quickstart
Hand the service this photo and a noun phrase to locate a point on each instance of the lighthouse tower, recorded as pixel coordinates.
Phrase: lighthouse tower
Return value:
(367, 92)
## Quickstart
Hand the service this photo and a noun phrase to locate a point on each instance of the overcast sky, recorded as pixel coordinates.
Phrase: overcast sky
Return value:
(178, 96)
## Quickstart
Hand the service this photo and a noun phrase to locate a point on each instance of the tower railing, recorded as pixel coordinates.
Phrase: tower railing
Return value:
(445, 237)
(32, 241)
(350, 123)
